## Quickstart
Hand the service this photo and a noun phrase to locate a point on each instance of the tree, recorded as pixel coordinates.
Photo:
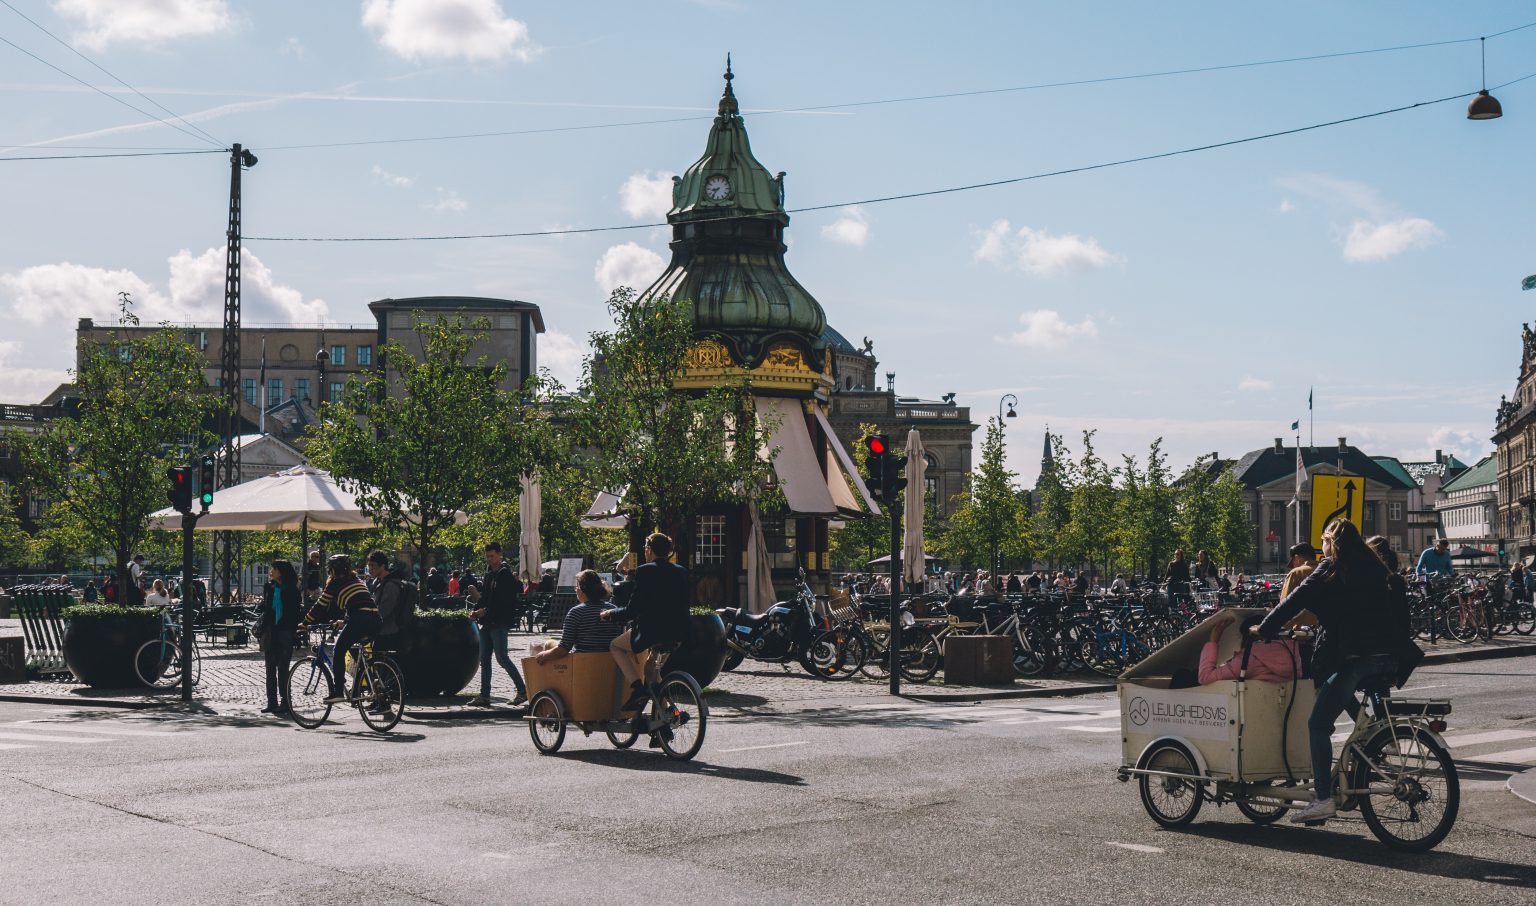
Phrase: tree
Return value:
(143, 406)
(1198, 508)
(1235, 543)
(1146, 510)
(863, 539)
(15, 544)
(1053, 504)
(671, 452)
(988, 524)
(422, 436)
(1091, 523)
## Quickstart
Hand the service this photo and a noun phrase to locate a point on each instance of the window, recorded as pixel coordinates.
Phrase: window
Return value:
(365, 355)
(250, 390)
(709, 541)
(301, 389)
(336, 389)
(37, 507)
(1396, 541)
(274, 391)
(1394, 512)
(338, 355)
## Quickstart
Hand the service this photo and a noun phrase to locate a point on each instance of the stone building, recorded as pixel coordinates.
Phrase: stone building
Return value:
(1514, 440)
(1427, 477)
(1468, 504)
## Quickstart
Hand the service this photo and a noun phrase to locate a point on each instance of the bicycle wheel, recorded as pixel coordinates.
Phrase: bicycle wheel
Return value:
(309, 684)
(622, 740)
(1171, 801)
(546, 722)
(1460, 624)
(1524, 619)
(682, 704)
(877, 659)
(1261, 812)
(920, 656)
(1414, 789)
(834, 654)
(381, 703)
(158, 664)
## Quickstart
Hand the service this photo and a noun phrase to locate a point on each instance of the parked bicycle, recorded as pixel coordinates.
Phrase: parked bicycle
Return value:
(158, 661)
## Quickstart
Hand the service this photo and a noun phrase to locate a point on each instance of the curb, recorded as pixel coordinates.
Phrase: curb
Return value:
(1479, 654)
(1038, 692)
(473, 714)
(1523, 785)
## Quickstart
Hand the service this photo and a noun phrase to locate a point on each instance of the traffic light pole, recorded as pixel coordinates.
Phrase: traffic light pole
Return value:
(188, 523)
(893, 506)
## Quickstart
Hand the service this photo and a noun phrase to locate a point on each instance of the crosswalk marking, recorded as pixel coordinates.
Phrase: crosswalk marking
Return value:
(1475, 739)
(1511, 756)
(39, 737)
(59, 727)
(1094, 729)
(11, 745)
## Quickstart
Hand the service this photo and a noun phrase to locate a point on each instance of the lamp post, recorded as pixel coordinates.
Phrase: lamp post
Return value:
(1011, 401)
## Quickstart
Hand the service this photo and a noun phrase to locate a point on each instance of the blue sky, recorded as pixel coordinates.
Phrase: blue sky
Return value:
(1195, 298)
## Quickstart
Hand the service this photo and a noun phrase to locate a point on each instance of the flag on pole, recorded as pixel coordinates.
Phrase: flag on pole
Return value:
(1296, 425)
(1528, 282)
(1301, 472)
(1309, 399)
(262, 379)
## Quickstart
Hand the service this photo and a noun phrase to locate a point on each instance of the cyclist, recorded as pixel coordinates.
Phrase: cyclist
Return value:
(347, 598)
(1435, 562)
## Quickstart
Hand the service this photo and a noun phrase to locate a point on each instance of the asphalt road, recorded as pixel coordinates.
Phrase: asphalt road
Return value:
(853, 801)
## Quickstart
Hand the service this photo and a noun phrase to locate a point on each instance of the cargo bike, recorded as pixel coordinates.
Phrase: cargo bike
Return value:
(1245, 742)
(586, 690)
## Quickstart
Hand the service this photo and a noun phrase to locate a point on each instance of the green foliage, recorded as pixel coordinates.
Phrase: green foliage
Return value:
(861, 540)
(671, 451)
(430, 431)
(1053, 505)
(1091, 525)
(144, 404)
(443, 613)
(1144, 517)
(103, 612)
(1235, 544)
(990, 522)
(565, 493)
(1198, 514)
(15, 543)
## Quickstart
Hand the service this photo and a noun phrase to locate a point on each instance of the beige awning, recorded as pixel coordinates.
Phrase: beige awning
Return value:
(845, 462)
(801, 479)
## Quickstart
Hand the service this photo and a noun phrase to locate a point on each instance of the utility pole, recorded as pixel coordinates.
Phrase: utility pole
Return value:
(229, 374)
(893, 506)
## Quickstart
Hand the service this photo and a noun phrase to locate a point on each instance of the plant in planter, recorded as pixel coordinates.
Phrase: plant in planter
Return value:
(703, 651)
(439, 652)
(100, 642)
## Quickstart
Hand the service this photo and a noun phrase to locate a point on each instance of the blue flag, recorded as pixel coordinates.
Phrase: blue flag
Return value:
(1296, 425)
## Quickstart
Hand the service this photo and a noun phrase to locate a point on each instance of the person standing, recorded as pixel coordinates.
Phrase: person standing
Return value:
(314, 575)
(657, 614)
(135, 595)
(1517, 583)
(385, 586)
(1205, 569)
(280, 610)
(1435, 562)
(496, 614)
(1178, 576)
(90, 594)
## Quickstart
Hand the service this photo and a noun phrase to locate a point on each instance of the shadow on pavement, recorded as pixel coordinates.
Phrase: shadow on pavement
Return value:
(380, 737)
(645, 761)
(719, 698)
(1348, 848)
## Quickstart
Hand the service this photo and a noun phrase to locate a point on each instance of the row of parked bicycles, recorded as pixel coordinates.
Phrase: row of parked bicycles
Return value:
(1470, 608)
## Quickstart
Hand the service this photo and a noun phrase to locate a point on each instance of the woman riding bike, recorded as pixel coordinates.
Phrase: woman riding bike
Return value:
(347, 598)
(1354, 604)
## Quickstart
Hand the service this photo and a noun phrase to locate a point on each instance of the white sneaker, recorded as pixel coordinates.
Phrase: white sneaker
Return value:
(1319, 810)
(522, 697)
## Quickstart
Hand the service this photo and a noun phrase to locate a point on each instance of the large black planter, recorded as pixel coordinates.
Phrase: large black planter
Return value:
(439, 655)
(703, 652)
(99, 648)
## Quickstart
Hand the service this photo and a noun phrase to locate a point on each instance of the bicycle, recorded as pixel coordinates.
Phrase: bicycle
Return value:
(158, 661)
(378, 690)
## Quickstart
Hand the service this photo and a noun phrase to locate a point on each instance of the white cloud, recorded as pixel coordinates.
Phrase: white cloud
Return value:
(647, 196)
(393, 179)
(562, 355)
(851, 228)
(1369, 241)
(448, 202)
(107, 22)
(629, 265)
(473, 30)
(1045, 329)
(1285, 206)
(291, 47)
(1039, 252)
(197, 284)
(1249, 382)
(20, 384)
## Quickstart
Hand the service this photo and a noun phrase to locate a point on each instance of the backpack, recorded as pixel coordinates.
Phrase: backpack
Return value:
(405, 612)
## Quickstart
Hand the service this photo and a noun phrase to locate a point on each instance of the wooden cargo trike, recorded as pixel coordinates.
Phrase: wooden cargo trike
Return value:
(1245, 742)
(586, 690)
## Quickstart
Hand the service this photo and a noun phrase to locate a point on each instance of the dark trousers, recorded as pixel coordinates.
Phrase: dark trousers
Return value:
(279, 656)
(360, 628)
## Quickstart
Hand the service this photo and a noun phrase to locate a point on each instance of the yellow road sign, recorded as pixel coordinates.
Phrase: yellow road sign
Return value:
(1336, 497)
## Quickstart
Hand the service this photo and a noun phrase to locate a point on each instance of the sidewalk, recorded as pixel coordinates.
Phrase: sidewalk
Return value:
(234, 679)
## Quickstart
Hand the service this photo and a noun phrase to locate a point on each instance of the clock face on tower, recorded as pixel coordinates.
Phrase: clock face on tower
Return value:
(717, 188)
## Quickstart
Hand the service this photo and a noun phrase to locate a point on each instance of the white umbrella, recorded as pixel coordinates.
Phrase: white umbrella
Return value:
(291, 499)
(760, 593)
(912, 555)
(530, 512)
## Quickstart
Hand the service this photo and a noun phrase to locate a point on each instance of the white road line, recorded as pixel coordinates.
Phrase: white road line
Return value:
(57, 726)
(1513, 756)
(777, 745)
(12, 746)
(1475, 739)
(38, 737)
(1058, 718)
(1136, 847)
(1094, 729)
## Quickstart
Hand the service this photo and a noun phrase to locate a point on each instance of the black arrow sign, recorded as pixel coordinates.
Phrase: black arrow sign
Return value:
(1349, 504)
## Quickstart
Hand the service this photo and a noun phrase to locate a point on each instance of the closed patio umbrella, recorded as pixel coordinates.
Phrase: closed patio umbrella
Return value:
(912, 556)
(530, 512)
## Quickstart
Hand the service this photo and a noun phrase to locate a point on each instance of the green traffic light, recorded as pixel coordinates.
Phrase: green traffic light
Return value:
(207, 499)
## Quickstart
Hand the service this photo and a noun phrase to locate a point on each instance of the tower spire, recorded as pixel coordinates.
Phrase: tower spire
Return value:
(728, 97)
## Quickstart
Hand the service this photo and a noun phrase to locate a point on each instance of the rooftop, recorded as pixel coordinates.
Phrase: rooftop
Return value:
(1486, 472)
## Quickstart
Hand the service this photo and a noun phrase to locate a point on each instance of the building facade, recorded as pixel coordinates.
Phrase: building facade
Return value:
(1427, 477)
(1468, 505)
(1514, 440)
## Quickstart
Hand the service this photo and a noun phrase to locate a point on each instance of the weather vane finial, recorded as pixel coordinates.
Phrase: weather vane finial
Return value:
(728, 75)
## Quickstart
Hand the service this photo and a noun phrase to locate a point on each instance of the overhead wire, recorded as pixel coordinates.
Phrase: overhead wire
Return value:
(67, 46)
(116, 154)
(925, 193)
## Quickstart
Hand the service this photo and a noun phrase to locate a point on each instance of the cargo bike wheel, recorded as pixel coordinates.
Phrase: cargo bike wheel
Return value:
(1261, 812)
(546, 722)
(1415, 791)
(683, 708)
(1172, 801)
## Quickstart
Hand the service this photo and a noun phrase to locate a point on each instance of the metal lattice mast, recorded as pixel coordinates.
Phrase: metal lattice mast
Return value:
(229, 375)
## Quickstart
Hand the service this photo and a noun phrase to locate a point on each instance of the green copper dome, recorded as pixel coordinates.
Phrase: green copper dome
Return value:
(728, 249)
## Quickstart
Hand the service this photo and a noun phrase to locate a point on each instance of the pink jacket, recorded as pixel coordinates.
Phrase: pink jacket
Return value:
(1270, 662)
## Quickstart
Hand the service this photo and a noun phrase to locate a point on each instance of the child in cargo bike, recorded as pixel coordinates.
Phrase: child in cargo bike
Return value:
(1268, 662)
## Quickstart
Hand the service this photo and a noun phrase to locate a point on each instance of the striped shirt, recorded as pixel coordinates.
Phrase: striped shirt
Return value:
(586, 631)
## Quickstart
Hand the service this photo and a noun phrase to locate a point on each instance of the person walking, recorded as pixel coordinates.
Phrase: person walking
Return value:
(1205, 569)
(388, 592)
(1178, 577)
(496, 614)
(657, 614)
(90, 594)
(281, 606)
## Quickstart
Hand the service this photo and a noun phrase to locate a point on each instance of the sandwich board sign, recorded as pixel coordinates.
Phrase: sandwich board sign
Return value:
(1336, 497)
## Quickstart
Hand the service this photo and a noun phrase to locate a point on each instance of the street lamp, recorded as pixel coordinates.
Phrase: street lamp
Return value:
(1012, 401)
(1485, 106)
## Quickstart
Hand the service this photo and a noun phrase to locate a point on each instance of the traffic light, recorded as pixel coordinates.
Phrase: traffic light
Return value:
(1501, 547)
(877, 447)
(180, 491)
(894, 482)
(205, 482)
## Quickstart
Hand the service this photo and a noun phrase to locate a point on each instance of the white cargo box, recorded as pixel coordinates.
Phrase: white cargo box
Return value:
(1234, 729)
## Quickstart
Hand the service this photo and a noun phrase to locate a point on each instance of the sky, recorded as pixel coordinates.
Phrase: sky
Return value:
(1195, 298)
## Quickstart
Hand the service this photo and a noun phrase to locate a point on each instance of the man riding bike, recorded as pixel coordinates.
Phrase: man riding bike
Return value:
(346, 600)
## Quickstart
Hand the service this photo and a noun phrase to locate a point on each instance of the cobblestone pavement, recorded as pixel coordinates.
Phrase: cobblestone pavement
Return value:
(236, 677)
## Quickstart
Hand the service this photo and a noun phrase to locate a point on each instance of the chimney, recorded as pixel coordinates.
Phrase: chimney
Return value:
(85, 324)
(1439, 457)
(1343, 445)
(1279, 445)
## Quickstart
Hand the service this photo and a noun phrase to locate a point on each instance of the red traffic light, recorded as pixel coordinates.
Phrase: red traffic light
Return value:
(876, 443)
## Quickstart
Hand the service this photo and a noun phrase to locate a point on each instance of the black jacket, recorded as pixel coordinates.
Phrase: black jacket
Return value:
(1358, 615)
(658, 605)
(386, 594)
(499, 596)
(1178, 571)
(292, 610)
